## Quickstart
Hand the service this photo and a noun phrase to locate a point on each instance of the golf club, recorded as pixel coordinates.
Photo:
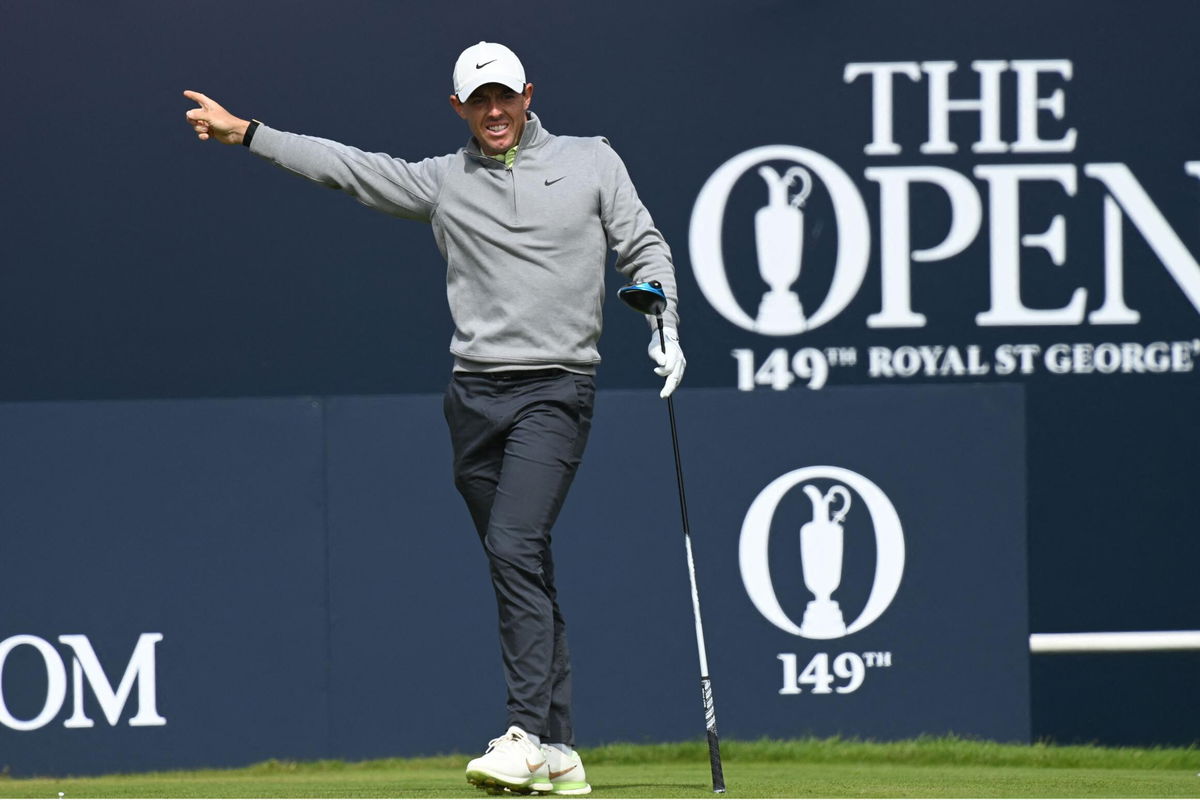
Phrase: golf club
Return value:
(648, 298)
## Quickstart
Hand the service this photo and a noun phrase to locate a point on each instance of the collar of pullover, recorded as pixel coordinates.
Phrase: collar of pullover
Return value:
(531, 137)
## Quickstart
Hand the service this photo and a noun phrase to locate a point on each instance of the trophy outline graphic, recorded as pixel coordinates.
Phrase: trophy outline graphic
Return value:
(754, 559)
(707, 248)
(821, 548)
(779, 240)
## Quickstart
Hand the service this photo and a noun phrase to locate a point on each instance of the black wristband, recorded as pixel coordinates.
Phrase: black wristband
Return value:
(249, 134)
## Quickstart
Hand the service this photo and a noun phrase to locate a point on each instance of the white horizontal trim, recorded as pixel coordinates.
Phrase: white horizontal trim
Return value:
(1128, 641)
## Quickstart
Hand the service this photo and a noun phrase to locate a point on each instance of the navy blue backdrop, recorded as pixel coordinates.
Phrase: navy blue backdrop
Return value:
(138, 263)
(319, 591)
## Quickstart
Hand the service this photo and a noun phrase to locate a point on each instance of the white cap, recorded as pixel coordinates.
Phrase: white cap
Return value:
(487, 62)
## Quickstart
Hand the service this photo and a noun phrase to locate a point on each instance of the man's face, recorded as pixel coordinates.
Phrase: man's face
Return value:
(496, 115)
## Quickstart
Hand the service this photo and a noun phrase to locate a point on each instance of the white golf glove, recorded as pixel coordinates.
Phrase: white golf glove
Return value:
(671, 364)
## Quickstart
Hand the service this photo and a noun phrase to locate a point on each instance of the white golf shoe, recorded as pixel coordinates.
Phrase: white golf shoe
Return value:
(565, 772)
(511, 762)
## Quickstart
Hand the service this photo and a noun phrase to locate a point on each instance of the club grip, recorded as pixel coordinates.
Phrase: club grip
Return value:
(714, 760)
(714, 741)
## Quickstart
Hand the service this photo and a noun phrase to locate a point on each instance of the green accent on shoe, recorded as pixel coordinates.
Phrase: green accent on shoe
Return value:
(571, 787)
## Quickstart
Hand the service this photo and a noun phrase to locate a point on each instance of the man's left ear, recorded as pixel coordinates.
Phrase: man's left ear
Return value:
(528, 92)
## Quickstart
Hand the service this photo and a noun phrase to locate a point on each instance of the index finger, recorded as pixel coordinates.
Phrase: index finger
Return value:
(197, 97)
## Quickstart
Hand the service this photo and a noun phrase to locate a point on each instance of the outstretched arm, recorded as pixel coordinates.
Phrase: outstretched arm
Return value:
(212, 120)
(376, 180)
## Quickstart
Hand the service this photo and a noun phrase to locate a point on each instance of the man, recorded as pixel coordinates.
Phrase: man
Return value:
(524, 220)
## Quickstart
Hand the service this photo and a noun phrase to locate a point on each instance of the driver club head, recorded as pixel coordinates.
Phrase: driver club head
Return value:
(646, 297)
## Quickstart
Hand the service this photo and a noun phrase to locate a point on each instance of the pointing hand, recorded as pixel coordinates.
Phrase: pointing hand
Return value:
(212, 120)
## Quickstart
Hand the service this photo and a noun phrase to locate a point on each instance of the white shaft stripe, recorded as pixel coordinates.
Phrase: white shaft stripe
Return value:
(696, 609)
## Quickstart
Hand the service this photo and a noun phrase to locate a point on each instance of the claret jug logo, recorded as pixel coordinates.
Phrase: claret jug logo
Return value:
(834, 494)
(779, 239)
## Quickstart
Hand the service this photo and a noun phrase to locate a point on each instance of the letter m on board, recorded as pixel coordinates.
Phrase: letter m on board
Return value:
(139, 670)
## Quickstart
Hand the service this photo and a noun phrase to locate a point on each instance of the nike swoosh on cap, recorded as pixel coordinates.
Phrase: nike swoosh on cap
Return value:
(484, 64)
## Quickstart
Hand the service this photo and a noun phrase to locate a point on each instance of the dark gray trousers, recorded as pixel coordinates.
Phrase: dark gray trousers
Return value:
(518, 438)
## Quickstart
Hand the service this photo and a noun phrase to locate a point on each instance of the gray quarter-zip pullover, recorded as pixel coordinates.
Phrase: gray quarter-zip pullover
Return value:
(525, 246)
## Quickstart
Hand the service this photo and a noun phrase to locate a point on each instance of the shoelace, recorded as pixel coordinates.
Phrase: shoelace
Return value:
(511, 737)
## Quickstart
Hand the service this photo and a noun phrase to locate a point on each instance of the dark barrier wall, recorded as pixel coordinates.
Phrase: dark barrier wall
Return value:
(194, 582)
(947, 196)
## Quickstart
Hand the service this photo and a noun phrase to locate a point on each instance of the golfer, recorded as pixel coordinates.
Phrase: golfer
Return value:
(524, 220)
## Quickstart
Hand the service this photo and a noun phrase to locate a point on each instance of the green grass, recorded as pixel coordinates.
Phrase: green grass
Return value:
(926, 767)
